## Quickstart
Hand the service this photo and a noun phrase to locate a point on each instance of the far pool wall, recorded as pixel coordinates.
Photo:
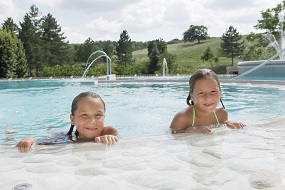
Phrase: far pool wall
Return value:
(275, 68)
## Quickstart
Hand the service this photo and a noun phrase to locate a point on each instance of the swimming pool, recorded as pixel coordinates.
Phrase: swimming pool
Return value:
(147, 156)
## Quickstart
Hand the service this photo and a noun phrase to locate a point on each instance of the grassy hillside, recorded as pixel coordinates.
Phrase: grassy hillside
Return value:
(189, 54)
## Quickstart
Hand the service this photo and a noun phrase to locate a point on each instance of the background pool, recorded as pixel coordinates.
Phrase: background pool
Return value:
(40, 108)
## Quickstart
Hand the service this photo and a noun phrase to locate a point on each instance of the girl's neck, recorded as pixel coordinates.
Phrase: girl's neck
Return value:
(201, 113)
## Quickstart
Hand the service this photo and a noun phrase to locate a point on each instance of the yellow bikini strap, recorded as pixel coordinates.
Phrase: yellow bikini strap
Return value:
(193, 117)
(216, 117)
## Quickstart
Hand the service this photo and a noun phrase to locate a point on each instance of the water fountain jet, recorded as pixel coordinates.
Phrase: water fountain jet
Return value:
(109, 75)
(164, 67)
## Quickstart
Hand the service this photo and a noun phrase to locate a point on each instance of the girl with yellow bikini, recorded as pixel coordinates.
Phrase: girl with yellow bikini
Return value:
(203, 99)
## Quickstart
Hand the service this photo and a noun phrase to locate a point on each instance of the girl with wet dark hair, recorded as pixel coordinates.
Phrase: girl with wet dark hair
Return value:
(203, 113)
(87, 115)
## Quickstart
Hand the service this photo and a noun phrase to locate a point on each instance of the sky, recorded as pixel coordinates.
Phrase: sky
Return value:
(144, 20)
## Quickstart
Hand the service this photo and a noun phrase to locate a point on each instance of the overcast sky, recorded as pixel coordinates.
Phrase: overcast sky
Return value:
(144, 20)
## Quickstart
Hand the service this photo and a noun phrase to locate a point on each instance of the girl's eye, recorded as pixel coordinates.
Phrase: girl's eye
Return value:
(98, 116)
(201, 93)
(84, 115)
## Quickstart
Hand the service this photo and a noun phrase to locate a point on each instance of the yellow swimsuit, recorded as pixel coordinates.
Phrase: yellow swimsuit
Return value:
(194, 115)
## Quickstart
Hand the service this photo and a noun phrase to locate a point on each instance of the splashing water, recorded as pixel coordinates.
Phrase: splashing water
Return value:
(278, 45)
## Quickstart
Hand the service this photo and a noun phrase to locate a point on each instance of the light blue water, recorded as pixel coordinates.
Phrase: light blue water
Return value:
(40, 108)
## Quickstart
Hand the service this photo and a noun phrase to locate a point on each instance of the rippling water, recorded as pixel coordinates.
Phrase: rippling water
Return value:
(40, 108)
(147, 156)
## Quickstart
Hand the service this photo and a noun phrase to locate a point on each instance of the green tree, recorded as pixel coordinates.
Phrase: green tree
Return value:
(157, 50)
(56, 49)
(108, 47)
(195, 33)
(124, 49)
(83, 51)
(256, 47)
(153, 60)
(273, 20)
(10, 25)
(208, 56)
(13, 62)
(30, 35)
(160, 44)
(231, 43)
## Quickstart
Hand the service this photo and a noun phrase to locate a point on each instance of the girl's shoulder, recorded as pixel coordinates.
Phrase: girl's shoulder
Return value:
(222, 114)
(109, 130)
(221, 110)
(187, 111)
(184, 114)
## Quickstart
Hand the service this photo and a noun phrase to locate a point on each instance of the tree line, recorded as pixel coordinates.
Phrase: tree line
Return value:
(37, 47)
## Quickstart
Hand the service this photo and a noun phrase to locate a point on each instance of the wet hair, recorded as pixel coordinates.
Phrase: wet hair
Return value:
(201, 74)
(74, 105)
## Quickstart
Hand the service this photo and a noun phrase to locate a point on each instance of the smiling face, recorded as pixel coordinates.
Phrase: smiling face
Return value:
(206, 94)
(89, 117)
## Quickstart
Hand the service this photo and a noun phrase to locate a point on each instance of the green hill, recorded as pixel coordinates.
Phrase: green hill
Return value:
(189, 54)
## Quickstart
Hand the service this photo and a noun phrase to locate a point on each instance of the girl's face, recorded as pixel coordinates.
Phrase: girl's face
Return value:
(89, 117)
(206, 94)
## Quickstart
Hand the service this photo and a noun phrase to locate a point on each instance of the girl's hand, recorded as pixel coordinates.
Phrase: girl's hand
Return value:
(107, 139)
(26, 144)
(234, 124)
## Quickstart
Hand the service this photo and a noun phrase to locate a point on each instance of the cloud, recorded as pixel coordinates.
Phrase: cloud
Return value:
(51, 3)
(74, 37)
(103, 25)
(8, 9)
(144, 15)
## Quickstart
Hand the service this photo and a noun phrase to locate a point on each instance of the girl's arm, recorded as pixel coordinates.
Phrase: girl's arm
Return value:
(178, 123)
(234, 124)
(26, 144)
(230, 124)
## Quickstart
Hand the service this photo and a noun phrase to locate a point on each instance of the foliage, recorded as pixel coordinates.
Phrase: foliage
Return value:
(63, 70)
(135, 69)
(231, 43)
(83, 51)
(208, 56)
(138, 45)
(124, 49)
(195, 33)
(188, 56)
(13, 62)
(153, 60)
(43, 41)
(108, 47)
(30, 35)
(55, 48)
(10, 25)
(273, 20)
(174, 41)
(156, 49)
(256, 47)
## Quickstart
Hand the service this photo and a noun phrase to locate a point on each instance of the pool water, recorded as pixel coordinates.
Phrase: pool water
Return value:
(40, 108)
(147, 155)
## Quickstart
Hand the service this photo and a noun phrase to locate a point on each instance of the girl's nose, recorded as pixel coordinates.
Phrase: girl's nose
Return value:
(207, 96)
(92, 120)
